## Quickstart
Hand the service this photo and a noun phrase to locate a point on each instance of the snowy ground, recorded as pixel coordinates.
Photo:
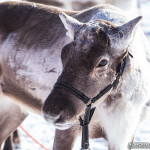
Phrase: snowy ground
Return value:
(44, 132)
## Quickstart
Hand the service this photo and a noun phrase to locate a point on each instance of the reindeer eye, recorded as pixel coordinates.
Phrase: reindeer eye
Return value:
(102, 63)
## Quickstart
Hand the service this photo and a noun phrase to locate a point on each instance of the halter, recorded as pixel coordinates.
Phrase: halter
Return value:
(89, 101)
(86, 99)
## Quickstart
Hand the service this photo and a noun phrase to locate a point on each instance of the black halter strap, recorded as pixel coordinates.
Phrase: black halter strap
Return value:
(74, 91)
(86, 99)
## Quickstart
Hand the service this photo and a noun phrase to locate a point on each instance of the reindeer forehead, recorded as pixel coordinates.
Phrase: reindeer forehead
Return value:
(94, 27)
(94, 33)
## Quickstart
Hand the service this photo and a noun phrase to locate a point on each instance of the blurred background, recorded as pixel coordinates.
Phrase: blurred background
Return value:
(36, 125)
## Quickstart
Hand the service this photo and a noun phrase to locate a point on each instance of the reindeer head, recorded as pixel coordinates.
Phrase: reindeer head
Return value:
(89, 65)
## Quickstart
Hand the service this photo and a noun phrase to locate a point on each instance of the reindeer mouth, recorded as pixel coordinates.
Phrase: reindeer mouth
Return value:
(64, 126)
(59, 122)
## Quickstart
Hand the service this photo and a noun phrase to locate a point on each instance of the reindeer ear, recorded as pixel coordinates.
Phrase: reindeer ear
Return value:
(71, 24)
(121, 39)
(128, 28)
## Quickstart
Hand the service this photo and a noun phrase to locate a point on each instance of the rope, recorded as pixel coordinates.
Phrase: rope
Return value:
(33, 138)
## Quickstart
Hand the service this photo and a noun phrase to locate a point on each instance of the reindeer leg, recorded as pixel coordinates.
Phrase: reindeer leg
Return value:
(12, 140)
(8, 143)
(64, 139)
(11, 116)
(16, 139)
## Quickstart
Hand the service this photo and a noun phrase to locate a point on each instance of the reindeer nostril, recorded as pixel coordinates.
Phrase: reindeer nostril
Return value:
(58, 119)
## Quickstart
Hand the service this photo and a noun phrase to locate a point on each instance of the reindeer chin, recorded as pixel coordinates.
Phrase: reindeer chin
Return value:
(64, 126)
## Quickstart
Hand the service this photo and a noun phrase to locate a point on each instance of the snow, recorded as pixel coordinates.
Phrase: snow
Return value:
(44, 132)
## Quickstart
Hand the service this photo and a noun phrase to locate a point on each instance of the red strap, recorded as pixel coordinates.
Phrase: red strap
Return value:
(33, 138)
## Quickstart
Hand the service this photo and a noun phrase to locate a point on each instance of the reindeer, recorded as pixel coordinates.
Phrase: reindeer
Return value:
(90, 65)
(31, 41)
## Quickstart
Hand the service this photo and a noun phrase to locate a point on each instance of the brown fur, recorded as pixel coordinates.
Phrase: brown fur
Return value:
(31, 42)
(48, 2)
